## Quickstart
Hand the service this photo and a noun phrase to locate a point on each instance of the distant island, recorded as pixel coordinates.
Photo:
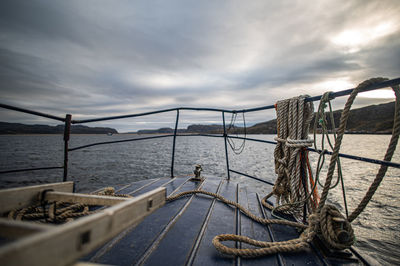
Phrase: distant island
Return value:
(373, 119)
(16, 128)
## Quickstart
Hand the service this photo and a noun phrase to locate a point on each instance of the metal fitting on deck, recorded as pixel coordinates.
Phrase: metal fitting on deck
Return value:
(197, 172)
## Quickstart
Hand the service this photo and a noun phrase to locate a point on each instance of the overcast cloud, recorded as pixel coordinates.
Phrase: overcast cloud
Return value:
(103, 58)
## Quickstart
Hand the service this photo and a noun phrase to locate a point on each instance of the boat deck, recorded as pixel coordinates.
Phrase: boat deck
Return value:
(182, 230)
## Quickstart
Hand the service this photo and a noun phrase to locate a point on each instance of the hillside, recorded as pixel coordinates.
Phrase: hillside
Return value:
(373, 119)
(16, 128)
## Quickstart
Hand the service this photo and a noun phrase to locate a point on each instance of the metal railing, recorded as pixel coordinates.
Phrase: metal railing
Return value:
(68, 121)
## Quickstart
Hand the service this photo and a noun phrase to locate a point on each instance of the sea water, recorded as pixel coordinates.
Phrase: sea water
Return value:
(377, 229)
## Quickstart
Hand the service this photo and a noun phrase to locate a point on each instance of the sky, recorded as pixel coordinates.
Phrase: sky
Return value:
(105, 58)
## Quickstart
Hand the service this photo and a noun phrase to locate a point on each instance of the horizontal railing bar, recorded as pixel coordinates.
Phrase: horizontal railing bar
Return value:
(23, 110)
(149, 113)
(359, 158)
(256, 178)
(129, 140)
(251, 139)
(30, 169)
(118, 141)
(145, 138)
(348, 156)
(381, 85)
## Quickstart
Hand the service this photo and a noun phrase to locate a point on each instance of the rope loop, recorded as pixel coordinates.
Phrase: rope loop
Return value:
(299, 143)
(280, 140)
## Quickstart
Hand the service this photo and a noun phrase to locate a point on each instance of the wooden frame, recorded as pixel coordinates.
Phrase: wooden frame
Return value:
(17, 198)
(83, 198)
(64, 244)
(12, 229)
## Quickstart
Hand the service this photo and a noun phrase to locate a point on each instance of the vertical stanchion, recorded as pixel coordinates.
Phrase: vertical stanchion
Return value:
(67, 130)
(226, 146)
(173, 144)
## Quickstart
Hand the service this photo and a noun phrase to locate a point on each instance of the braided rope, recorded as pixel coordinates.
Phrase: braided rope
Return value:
(293, 118)
(324, 222)
(237, 205)
(338, 142)
(293, 245)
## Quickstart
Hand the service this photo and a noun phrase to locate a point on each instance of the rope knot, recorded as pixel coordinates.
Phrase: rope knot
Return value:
(280, 139)
(334, 228)
(299, 143)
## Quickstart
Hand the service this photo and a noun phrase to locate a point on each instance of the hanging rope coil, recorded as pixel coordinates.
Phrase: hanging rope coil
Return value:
(233, 128)
(291, 190)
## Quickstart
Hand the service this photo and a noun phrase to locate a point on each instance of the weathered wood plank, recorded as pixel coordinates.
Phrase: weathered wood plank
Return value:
(252, 229)
(160, 182)
(222, 221)
(171, 186)
(12, 229)
(130, 247)
(138, 185)
(72, 240)
(283, 233)
(16, 198)
(84, 198)
(174, 248)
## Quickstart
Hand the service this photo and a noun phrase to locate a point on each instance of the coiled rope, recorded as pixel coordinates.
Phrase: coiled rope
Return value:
(340, 132)
(326, 220)
(293, 119)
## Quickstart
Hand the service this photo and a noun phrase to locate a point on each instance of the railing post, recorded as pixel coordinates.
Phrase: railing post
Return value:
(67, 131)
(173, 144)
(226, 147)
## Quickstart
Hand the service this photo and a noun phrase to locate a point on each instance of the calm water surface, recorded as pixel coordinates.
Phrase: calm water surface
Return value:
(377, 229)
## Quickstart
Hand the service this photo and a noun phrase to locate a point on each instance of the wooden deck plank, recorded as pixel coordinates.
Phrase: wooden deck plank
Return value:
(132, 246)
(172, 186)
(252, 229)
(175, 247)
(181, 232)
(283, 233)
(222, 221)
(136, 185)
(160, 182)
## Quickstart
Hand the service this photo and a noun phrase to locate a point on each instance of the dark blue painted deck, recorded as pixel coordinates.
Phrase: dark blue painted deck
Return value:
(180, 233)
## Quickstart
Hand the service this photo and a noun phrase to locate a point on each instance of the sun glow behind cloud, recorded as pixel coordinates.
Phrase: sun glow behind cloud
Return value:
(354, 39)
(379, 94)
